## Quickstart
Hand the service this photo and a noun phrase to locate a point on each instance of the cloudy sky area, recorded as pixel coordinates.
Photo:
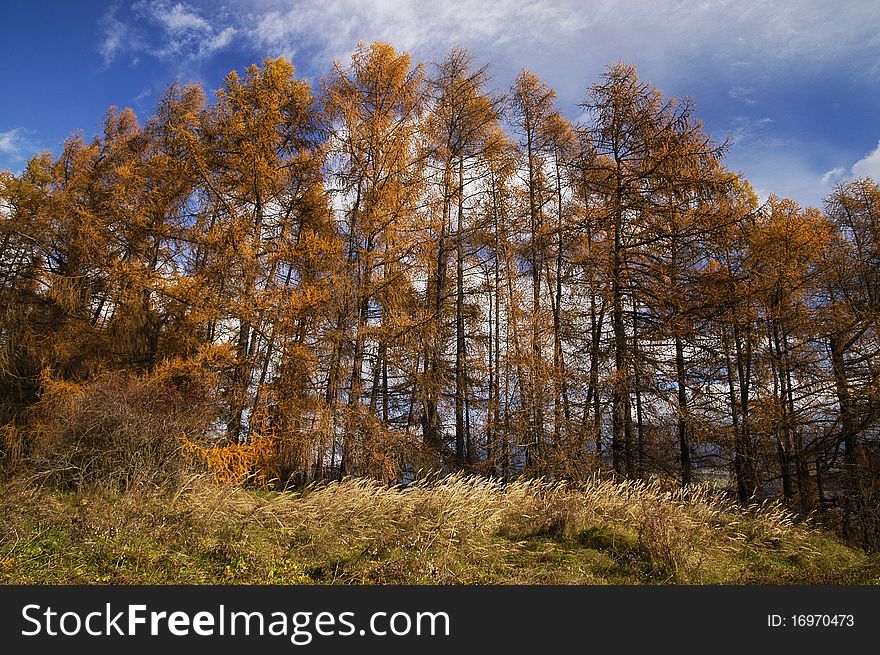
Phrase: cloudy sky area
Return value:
(795, 85)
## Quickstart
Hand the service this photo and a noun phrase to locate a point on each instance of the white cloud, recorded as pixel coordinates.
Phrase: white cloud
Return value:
(833, 175)
(179, 18)
(746, 45)
(8, 141)
(743, 94)
(115, 33)
(184, 35)
(745, 48)
(869, 165)
(177, 33)
(332, 28)
(17, 146)
(751, 131)
(743, 44)
(16, 143)
(217, 42)
(786, 167)
(759, 32)
(786, 173)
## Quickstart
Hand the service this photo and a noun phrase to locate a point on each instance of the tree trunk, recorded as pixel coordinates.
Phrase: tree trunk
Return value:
(683, 414)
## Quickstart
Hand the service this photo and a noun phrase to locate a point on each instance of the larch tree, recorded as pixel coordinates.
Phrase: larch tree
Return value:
(785, 262)
(532, 107)
(850, 328)
(461, 126)
(374, 119)
(562, 146)
(638, 140)
(259, 164)
(680, 223)
(730, 307)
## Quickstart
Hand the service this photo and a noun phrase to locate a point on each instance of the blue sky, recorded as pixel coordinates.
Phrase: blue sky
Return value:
(796, 85)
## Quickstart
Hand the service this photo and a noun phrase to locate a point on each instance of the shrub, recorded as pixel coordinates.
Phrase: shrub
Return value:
(119, 429)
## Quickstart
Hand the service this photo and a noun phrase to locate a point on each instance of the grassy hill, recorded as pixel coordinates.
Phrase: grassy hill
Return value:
(455, 530)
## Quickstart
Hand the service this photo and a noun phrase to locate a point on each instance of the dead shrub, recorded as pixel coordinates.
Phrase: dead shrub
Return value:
(119, 429)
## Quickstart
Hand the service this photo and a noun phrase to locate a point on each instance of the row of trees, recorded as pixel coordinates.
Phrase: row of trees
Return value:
(409, 272)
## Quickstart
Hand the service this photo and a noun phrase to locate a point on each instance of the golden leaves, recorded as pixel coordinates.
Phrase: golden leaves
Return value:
(253, 460)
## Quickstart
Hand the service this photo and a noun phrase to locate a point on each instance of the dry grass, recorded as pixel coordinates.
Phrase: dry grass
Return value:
(676, 535)
(457, 529)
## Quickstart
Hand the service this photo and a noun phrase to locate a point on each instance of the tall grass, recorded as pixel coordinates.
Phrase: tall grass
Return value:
(439, 530)
(674, 532)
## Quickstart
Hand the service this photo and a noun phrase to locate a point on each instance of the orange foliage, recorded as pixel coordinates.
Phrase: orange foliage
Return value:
(254, 460)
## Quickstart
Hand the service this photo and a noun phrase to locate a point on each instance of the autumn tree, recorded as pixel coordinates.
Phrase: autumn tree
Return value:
(373, 115)
(533, 107)
(25, 234)
(785, 261)
(258, 168)
(850, 330)
(642, 145)
(682, 222)
(494, 235)
(730, 312)
(461, 128)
